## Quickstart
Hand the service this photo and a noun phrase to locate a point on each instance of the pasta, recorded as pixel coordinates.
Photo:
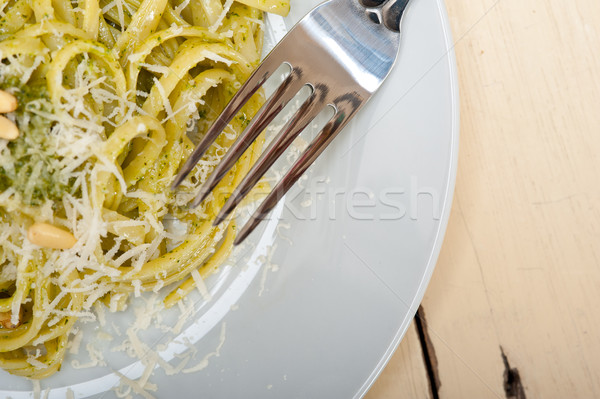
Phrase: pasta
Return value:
(109, 93)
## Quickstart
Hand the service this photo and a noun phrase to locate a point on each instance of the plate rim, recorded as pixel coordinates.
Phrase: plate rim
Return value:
(450, 56)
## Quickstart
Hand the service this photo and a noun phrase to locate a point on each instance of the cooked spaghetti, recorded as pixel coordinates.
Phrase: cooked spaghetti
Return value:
(108, 94)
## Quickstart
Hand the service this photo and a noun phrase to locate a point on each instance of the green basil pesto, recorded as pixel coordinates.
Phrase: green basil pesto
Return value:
(29, 164)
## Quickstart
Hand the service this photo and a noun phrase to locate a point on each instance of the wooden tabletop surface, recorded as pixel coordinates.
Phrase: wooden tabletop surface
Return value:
(512, 310)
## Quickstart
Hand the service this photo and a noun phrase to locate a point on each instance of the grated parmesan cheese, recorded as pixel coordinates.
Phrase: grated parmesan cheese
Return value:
(36, 389)
(201, 285)
(221, 17)
(205, 360)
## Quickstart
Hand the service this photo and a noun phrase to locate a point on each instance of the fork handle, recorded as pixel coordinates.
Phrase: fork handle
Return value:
(372, 3)
(391, 12)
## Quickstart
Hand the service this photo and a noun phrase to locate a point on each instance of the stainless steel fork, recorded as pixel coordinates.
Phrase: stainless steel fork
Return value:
(343, 50)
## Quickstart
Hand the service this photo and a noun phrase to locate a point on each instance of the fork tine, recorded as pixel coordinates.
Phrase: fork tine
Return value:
(248, 89)
(299, 121)
(282, 96)
(346, 106)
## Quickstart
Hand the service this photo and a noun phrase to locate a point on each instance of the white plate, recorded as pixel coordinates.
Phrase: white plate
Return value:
(318, 301)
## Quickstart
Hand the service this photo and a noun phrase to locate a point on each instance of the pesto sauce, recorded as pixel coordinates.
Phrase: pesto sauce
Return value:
(31, 153)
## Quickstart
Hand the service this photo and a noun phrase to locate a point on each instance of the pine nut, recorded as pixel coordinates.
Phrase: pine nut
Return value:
(6, 322)
(8, 130)
(49, 236)
(8, 102)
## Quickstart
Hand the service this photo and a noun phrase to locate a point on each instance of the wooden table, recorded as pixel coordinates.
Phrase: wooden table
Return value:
(512, 310)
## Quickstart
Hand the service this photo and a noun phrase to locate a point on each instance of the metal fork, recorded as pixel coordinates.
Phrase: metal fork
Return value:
(343, 50)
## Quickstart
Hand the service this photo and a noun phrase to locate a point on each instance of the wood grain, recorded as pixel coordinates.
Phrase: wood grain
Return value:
(520, 266)
(405, 373)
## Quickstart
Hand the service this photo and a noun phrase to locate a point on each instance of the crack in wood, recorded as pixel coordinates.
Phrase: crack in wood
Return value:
(429, 357)
(513, 387)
